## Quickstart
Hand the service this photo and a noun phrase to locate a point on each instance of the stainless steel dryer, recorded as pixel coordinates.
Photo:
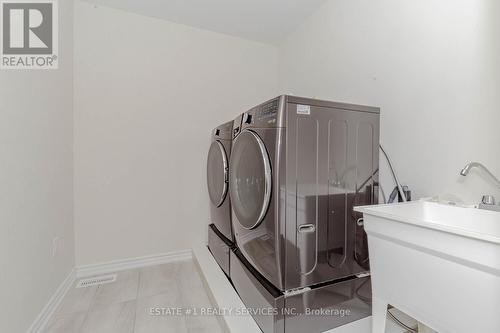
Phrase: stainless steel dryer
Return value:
(220, 233)
(297, 169)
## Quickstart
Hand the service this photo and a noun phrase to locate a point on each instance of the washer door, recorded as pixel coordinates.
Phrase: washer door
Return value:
(250, 179)
(217, 173)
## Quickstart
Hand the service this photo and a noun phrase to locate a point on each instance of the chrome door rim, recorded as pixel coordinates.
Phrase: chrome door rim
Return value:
(267, 176)
(226, 174)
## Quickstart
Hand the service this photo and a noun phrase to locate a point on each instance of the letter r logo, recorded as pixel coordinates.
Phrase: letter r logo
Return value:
(27, 27)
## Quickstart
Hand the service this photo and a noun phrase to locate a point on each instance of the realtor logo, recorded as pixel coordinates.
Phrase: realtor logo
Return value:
(29, 34)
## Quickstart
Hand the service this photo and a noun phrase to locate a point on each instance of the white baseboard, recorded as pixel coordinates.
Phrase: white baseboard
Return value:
(132, 263)
(47, 312)
(40, 323)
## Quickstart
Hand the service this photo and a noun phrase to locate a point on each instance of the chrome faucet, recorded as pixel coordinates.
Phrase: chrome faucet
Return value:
(465, 171)
(488, 201)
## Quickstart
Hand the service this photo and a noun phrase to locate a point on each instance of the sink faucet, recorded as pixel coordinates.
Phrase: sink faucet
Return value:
(488, 201)
(465, 171)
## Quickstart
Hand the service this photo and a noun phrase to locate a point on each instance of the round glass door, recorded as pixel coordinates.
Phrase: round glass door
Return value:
(217, 173)
(250, 179)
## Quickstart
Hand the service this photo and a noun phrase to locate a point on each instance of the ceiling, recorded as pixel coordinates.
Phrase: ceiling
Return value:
(260, 20)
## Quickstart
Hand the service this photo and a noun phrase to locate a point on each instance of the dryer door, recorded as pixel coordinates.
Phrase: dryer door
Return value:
(217, 173)
(250, 179)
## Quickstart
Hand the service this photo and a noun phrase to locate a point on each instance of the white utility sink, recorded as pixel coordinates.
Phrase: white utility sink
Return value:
(438, 263)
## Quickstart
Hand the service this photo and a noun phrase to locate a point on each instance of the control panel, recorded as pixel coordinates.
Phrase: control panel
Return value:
(265, 115)
(269, 110)
(223, 131)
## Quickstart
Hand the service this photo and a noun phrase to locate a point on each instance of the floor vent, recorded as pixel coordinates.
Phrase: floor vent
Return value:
(96, 280)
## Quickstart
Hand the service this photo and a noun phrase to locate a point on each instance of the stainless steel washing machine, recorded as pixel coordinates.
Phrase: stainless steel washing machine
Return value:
(297, 169)
(220, 233)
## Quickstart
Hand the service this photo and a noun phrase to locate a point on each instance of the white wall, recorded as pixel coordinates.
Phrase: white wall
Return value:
(147, 93)
(36, 176)
(432, 66)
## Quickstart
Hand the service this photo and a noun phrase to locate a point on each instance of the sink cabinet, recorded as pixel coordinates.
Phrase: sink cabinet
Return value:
(439, 264)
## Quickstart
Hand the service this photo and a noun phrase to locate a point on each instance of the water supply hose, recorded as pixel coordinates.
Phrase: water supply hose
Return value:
(396, 180)
(400, 323)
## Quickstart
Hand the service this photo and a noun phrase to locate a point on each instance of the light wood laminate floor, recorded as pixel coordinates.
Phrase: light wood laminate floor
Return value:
(125, 305)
